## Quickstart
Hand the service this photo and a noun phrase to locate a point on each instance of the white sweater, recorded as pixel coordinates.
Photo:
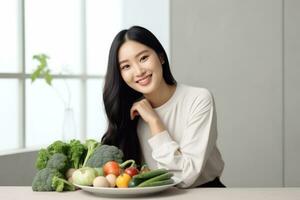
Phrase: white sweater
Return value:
(188, 146)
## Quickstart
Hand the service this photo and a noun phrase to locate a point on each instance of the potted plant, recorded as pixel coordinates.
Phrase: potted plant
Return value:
(42, 71)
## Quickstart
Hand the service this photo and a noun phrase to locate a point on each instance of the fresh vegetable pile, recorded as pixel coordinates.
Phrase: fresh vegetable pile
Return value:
(114, 174)
(61, 165)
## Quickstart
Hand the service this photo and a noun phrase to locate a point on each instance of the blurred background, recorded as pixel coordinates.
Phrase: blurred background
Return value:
(246, 52)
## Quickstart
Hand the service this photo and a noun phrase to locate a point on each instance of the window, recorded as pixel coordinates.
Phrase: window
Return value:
(8, 36)
(76, 35)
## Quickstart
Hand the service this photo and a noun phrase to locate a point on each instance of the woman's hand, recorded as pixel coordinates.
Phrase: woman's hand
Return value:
(145, 110)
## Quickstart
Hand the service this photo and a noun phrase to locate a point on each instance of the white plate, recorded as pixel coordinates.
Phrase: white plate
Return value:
(126, 192)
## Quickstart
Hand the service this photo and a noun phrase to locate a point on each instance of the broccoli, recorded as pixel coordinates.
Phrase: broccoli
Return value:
(58, 147)
(76, 153)
(60, 184)
(58, 161)
(103, 154)
(45, 155)
(50, 179)
(90, 146)
(42, 159)
(43, 179)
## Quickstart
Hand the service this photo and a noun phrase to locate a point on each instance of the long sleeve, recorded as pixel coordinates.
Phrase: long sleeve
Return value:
(188, 157)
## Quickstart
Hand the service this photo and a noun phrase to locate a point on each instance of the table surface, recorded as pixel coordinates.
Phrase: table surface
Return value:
(17, 192)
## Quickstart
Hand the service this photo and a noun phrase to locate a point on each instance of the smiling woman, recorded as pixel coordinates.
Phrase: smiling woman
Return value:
(155, 120)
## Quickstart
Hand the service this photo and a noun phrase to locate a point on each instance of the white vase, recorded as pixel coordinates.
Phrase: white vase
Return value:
(69, 125)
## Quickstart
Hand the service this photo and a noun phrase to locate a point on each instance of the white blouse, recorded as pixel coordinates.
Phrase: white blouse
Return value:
(188, 146)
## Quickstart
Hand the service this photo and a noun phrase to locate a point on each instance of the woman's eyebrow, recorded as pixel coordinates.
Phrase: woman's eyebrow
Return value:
(137, 55)
(144, 51)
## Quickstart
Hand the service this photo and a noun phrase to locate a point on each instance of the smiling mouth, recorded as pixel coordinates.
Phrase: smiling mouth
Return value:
(145, 81)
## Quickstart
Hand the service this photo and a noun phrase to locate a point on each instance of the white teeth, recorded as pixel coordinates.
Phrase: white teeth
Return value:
(144, 78)
(145, 81)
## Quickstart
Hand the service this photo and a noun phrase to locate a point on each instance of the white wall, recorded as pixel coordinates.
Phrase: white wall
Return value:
(291, 92)
(154, 15)
(235, 49)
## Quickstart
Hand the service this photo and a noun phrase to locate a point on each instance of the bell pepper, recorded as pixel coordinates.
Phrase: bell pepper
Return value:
(123, 180)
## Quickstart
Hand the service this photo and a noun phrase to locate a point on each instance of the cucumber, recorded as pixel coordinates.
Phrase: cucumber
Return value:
(158, 183)
(162, 177)
(140, 178)
(135, 182)
(150, 174)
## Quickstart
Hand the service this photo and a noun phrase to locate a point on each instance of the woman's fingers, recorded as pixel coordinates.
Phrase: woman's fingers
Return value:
(142, 108)
(133, 112)
(138, 108)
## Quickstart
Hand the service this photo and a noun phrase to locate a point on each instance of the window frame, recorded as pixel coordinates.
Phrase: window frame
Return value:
(22, 76)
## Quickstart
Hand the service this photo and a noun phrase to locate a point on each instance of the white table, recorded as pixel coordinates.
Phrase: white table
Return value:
(24, 193)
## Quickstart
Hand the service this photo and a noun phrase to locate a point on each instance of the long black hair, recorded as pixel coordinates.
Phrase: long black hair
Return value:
(118, 97)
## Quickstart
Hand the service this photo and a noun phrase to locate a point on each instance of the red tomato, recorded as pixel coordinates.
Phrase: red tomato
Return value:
(131, 171)
(111, 167)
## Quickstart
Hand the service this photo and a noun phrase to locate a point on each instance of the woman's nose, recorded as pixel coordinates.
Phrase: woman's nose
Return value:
(139, 71)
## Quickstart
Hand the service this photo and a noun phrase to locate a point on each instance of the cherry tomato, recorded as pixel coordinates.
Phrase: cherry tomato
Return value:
(111, 167)
(123, 180)
(131, 171)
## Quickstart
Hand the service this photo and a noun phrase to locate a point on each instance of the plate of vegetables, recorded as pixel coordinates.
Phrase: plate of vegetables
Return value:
(114, 179)
(126, 192)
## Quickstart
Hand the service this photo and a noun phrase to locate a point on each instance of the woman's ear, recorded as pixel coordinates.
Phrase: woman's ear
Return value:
(162, 59)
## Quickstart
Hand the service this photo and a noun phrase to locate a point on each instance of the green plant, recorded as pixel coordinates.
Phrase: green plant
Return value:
(58, 146)
(76, 153)
(91, 146)
(42, 159)
(42, 69)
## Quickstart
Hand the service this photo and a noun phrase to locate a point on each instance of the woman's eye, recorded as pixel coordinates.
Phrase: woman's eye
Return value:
(144, 58)
(125, 67)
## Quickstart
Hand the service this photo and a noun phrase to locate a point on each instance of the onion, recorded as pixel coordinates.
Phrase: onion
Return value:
(100, 181)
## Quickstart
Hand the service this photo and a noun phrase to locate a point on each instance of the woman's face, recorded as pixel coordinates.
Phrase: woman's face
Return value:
(140, 67)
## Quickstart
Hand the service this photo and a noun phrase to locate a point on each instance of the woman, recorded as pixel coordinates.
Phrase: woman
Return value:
(153, 119)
